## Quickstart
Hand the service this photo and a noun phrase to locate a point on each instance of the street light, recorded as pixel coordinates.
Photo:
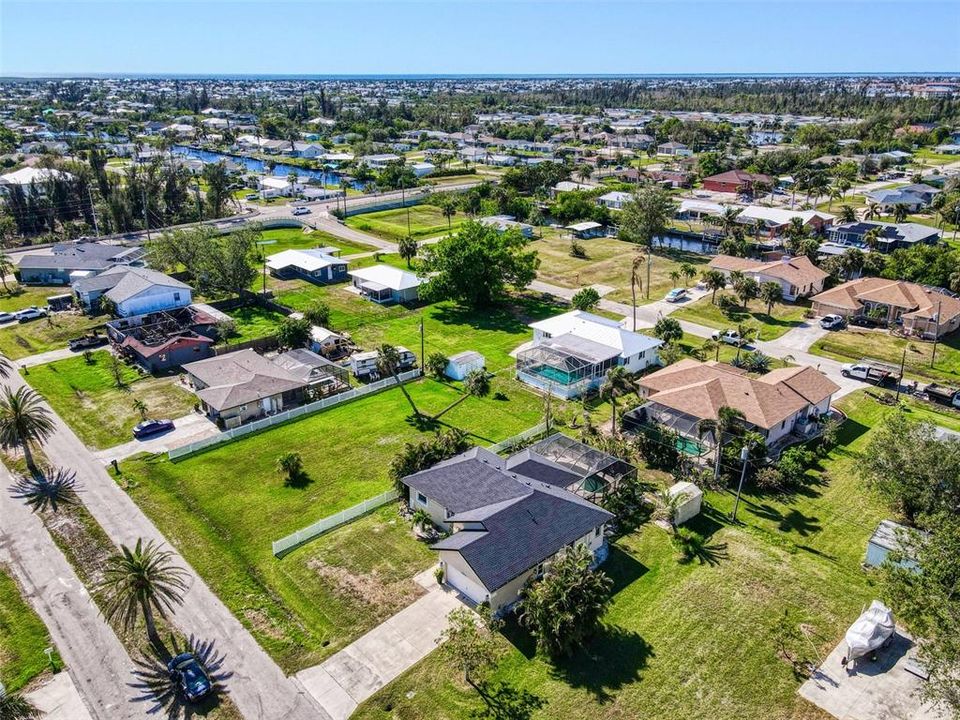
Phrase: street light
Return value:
(744, 457)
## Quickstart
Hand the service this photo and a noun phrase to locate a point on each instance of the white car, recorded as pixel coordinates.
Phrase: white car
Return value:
(731, 337)
(31, 313)
(831, 322)
(6, 317)
(301, 210)
(676, 295)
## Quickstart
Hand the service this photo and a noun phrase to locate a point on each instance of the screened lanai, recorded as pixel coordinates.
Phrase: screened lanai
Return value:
(687, 427)
(566, 366)
(600, 472)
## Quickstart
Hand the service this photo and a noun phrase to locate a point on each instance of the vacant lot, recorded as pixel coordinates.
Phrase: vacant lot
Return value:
(853, 344)
(223, 508)
(86, 396)
(18, 340)
(20, 296)
(253, 322)
(608, 262)
(23, 637)
(698, 640)
(296, 239)
(425, 221)
(347, 309)
(783, 317)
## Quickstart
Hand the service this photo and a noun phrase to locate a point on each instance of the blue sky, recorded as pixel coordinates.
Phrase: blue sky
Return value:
(463, 36)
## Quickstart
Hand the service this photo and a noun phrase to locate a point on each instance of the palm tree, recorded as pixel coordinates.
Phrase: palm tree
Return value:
(872, 212)
(24, 420)
(407, 249)
(584, 172)
(711, 346)
(17, 707)
(834, 194)
(900, 212)
(140, 407)
(727, 419)
(872, 237)
(388, 365)
(714, 280)
(688, 271)
(6, 367)
(675, 277)
(143, 579)
(6, 267)
(747, 334)
(847, 214)
(728, 221)
(616, 383)
(41, 491)
(771, 293)
(476, 384)
(635, 280)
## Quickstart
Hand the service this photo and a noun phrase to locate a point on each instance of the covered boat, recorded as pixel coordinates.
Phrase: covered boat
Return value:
(872, 630)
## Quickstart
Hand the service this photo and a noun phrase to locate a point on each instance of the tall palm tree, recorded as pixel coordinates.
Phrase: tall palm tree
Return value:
(847, 214)
(771, 293)
(616, 383)
(635, 280)
(388, 365)
(872, 237)
(688, 271)
(727, 419)
(900, 212)
(714, 280)
(729, 221)
(872, 212)
(145, 580)
(6, 267)
(24, 420)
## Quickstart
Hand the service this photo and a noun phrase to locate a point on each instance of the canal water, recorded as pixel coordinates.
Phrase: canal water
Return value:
(254, 165)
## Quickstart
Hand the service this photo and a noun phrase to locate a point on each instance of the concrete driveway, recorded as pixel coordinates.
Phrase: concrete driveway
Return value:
(881, 690)
(187, 429)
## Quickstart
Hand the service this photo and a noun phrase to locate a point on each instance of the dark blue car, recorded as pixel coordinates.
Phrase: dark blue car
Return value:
(151, 427)
(191, 678)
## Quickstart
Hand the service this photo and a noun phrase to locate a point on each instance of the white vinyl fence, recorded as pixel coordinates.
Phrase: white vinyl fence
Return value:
(531, 433)
(318, 528)
(287, 415)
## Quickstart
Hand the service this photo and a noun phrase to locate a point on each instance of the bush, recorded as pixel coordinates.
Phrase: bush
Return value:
(668, 329)
(415, 457)
(770, 479)
(318, 313)
(436, 364)
(793, 464)
(658, 447)
(577, 250)
(293, 332)
(585, 299)
(438, 574)
(727, 304)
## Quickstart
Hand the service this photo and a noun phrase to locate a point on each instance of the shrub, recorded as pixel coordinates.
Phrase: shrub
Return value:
(293, 332)
(668, 329)
(436, 364)
(727, 304)
(577, 250)
(793, 464)
(769, 478)
(318, 313)
(438, 574)
(419, 456)
(585, 299)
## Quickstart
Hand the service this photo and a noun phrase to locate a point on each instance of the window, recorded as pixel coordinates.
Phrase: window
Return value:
(596, 531)
(421, 498)
(176, 297)
(539, 571)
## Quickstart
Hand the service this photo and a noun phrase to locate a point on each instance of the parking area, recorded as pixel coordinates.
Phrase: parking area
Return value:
(881, 690)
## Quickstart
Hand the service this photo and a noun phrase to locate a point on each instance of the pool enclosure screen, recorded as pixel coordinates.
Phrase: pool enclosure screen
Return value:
(686, 426)
(601, 471)
(566, 366)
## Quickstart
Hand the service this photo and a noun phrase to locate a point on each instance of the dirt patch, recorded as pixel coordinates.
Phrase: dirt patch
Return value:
(368, 589)
(262, 623)
(84, 551)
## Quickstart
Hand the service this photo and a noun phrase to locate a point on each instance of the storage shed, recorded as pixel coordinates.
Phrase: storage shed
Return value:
(689, 508)
(887, 538)
(461, 364)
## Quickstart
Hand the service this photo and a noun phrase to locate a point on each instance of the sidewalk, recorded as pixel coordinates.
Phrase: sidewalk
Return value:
(355, 673)
(59, 699)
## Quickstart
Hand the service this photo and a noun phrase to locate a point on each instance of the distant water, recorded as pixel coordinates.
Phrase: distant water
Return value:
(258, 166)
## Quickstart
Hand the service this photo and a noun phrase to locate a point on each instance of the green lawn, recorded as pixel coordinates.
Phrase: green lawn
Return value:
(18, 340)
(222, 509)
(281, 239)
(253, 322)
(783, 317)
(20, 296)
(23, 637)
(854, 344)
(608, 262)
(347, 310)
(696, 640)
(102, 415)
(425, 221)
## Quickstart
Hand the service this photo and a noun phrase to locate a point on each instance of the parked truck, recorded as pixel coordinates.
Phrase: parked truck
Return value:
(873, 373)
(942, 394)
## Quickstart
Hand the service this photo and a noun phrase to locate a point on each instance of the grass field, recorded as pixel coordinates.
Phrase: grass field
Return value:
(783, 317)
(281, 239)
(425, 221)
(853, 344)
(102, 415)
(18, 340)
(21, 296)
(23, 637)
(696, 640)
(253, 322)
(608, 262)
(222, 509)
(347, 310)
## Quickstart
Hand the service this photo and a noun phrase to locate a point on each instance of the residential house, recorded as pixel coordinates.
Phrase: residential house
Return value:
(317, 265)
(379, 162)
(31, 177)
(784, 402)
(615, 199)
(506, 527)
(422, 169)
(586, 230)
(674, 149)
(571, 353)
(162, 341)
(66, 263)
(571, 186)
(740, 182)
(798, 277)
(892, 236)
(274, 187)
(322, 377)
(386, 284)
(506, 222)
(922, 311)
(670, 178)
(241, 386)
(132, 291)
(772, 222)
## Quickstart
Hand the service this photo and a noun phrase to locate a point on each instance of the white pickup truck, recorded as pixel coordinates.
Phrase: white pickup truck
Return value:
(869, 373)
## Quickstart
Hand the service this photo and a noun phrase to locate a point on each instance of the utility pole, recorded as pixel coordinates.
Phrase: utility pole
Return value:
(146, 218)
(903, 362)
(423, 358)
(93, 211)
(936, 335)
(744, 457)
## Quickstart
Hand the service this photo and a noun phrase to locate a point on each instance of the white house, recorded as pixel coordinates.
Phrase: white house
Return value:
(387, 284)
(133, 290)
(317, 265)
(422, 169)
(615, 199)
(378, 162)
(273, 187)
(27, 176)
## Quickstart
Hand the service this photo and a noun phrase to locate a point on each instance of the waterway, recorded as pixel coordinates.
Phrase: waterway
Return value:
(324, 177)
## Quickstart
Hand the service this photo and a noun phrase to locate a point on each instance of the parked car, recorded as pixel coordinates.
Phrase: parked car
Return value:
(187, 672)
(676, 295)
(870, 373)
(87, 341)
(731, 337)
(6, 317)
(31, 313)
(832, 322)
(252, 196)
(151, 427)
(301, 210)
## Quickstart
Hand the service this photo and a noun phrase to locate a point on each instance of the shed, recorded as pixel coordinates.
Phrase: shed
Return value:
(689, 508)
(887, 538)
(461, 364)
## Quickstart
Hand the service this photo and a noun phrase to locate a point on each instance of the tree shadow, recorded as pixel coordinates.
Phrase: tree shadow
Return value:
(155, 686)
(708, 522)
(299, 480)
(623, 569)
(505, 702)
(613, 658)
(791, 521)
(849, 431)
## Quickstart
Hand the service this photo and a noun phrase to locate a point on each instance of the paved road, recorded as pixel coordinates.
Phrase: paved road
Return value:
(258, 686)
(95, 659)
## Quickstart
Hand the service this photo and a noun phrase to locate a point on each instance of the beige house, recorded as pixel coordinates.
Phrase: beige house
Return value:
(924, 312)
(797, 276)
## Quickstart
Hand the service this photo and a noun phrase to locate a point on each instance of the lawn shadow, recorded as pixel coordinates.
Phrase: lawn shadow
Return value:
(612, 659)
(849, 431)
(505, 702)
(708, 522)
(155, 685)
(622, 568)
(298, 481)
(791, 521)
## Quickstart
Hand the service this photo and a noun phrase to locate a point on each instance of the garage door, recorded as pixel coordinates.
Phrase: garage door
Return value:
(468, 587)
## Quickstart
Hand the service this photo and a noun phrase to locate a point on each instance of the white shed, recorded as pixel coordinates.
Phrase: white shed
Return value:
(461, 364)
(887, 538)
(689, 508)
